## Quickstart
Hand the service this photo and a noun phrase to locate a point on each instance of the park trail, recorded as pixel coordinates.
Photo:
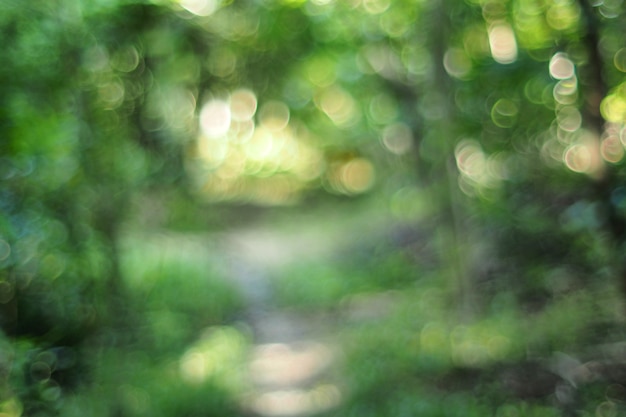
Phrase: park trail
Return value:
(294, 361)
(291, 366)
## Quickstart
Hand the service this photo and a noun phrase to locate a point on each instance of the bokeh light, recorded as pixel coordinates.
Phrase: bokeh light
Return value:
(561, 67)
(397, 22)
(320, 70)
(126, 59)
(200, 7)
(476, 42)
(357, 176)
(339, 106)
(375, 6)
(611, 149)
(584, 156)
(502, 43)
(217, 355)
(215, 118)
(619, 59)
(280, 364)
(611, 146)
(243, 105)
(563, 15)
(380, 59)
(297, 401)
(12, 407)
(397, 138)
(477, 169)
(569, 118)
(457, 63)
(613, 106)
(566, 91)
(352, 176)
(504, 113)
(254, 155)
(537, 91)
(111, 94)
(178, 110)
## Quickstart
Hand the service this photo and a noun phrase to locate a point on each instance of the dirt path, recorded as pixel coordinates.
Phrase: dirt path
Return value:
(290, 365)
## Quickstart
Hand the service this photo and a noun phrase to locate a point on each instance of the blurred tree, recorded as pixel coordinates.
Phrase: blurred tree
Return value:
(87, 122)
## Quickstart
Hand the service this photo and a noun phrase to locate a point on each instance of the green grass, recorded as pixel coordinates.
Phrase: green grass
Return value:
(424, 360)
(135, 384)
(179, 288)
(185, 358)
(319, 285)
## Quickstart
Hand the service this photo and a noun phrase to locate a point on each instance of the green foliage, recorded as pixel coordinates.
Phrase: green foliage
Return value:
(418, 353)
(321, 285)
(145, 386)
(509, 116)
(315, 285)
(177, 288)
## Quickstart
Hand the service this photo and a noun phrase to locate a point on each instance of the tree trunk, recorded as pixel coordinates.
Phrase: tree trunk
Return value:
(596, 90)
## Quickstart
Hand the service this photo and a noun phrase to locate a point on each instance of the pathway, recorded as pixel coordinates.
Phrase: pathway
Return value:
(290, 365)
